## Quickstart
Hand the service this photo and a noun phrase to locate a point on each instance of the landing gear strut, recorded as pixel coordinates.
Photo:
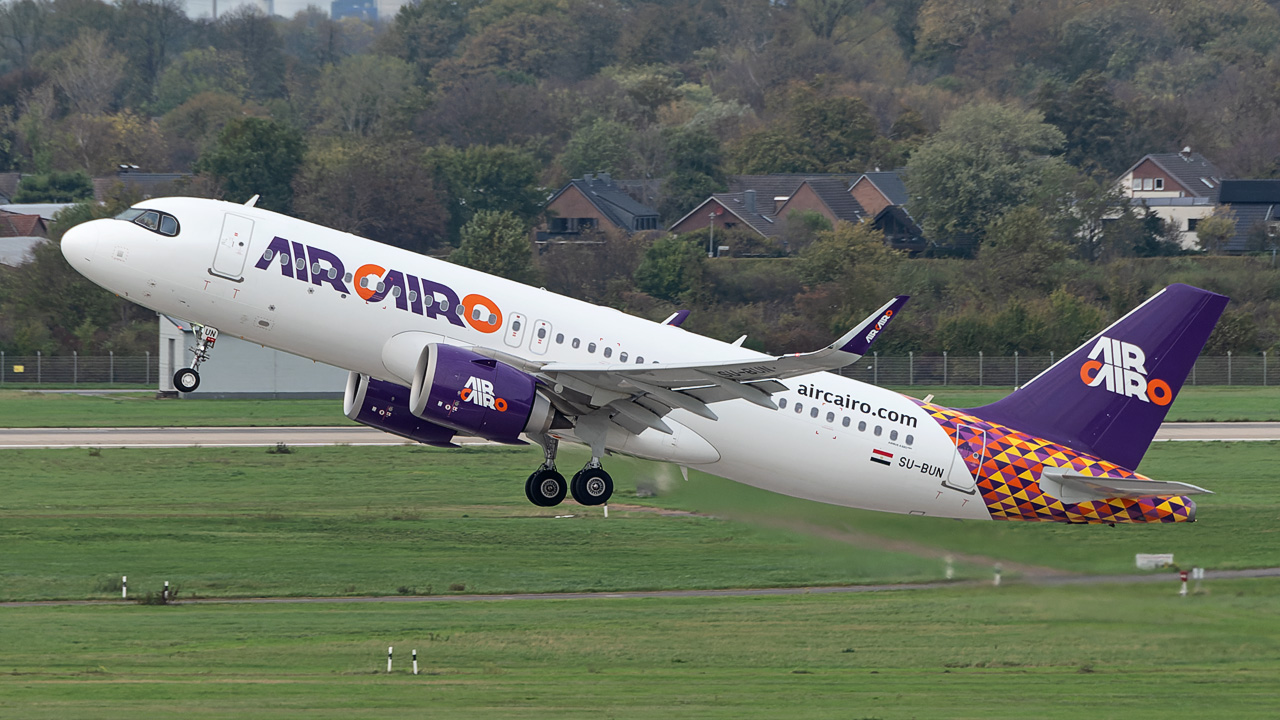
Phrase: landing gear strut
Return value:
(188, 379)
(546, 487)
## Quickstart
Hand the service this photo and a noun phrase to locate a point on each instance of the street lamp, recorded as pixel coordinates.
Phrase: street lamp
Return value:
(711, 236)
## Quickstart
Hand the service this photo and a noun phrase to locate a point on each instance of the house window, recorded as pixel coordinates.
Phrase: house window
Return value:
(1192, 223)
(1159, 183)
(1147, 184)
(730, 225)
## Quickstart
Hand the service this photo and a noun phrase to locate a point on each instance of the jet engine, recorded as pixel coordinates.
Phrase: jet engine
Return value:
(385, 406)
(476, 395)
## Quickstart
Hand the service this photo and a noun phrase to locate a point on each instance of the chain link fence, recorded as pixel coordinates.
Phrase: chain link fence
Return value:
(1012, 371)
(110, 369)
(1001, 371)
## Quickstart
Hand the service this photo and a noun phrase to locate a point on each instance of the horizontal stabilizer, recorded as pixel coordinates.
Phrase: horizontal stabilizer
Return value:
(1071, 487)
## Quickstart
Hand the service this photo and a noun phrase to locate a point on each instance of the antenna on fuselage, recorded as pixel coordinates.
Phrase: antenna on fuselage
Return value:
(252, 201)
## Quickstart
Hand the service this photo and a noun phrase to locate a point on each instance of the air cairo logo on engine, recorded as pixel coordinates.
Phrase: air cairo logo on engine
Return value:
(1121, 368)
(480, 392)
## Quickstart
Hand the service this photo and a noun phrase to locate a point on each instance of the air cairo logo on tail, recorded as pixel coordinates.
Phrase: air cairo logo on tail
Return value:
(480, 392)
(1121, 368)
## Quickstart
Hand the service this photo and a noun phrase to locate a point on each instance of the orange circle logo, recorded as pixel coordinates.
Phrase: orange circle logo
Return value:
(1089, 371)
(367, 291)
(489, 311)
(1159, 392)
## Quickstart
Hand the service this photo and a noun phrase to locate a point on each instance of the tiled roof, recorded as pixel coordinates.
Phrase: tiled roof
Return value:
(610, 199)
(761, 222)
(16, 225)
(835, 193)
(1248, 215)
(1249, 191)
(1199, 176)
(9, 184)
(890, 183)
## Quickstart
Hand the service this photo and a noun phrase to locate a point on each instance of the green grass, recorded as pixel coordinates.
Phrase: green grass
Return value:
(142, 409)
(1015, 652)
(1237, 527)
(356, 520)
(25, 409)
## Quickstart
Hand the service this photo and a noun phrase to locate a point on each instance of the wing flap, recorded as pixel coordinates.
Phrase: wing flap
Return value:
(1071, 487)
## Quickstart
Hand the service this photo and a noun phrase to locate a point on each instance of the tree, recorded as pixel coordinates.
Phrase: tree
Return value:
(378, 190)
(602, 146)
(819, 131)
(1091, 121)
(55, 187)
(671, 269)
(255, 156)
(1019, 250)
(497, 242)
(823, 17)
(197, 71)
(150, 33)
(696, 172)
(478, 178)
(985, 160)
(249, 32)
(368, 95)
(87, 73)
(1216, 230)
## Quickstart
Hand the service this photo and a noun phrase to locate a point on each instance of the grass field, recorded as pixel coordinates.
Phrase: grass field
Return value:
(355, 520)
(26, 409)
(1012, 652)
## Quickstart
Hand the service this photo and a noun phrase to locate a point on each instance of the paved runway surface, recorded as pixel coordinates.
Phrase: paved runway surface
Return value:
(1147, 578)
(317, 436)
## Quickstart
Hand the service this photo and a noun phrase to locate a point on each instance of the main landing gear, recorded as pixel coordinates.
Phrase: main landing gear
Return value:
(546, 487)
(188, 379)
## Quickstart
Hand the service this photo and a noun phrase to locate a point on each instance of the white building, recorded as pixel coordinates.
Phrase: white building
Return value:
(1180, 188)
(238, 368)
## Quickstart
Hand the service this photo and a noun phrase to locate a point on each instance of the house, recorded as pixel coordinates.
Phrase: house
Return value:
(594, 202)
(13, 224)
(763, 202)
(1256, 205)
(884, 196)
(1180, 188)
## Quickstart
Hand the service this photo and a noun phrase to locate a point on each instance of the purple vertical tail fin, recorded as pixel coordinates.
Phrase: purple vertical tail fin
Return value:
(1109, 396)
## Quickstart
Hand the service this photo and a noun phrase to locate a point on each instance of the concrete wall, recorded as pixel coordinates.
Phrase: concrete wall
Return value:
(238, 368)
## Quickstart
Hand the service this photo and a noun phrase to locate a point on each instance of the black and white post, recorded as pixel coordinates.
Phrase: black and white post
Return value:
(415, 661)
(166, 591)
(124, 587)
(389, 648)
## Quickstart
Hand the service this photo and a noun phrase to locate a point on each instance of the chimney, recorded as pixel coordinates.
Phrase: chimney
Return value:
(1186, 153)
(749, 199)
(604, 178)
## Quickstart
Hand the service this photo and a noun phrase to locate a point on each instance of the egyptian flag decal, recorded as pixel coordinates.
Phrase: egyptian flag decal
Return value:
(882, 457)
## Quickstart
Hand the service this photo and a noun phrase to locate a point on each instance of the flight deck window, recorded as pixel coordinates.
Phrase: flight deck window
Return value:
(153, 220)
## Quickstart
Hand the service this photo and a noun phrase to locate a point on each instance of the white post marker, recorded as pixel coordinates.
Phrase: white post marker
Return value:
(415, 661)
(996, 580)
(166, 591)
(389, 647)
(951, 568)
(1182, 575)
(124, 587)
(1197, 574)
(606, 511)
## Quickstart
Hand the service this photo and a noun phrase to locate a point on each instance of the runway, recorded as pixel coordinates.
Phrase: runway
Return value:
(176, 437)
(1146, 578)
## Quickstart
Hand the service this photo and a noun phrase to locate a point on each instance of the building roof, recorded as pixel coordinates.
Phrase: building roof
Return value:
(889, 183)
(1196, 174)
(19, 225)
(1234, 192)
(15, 251)
(148, 184)
(779, 185)
(610, 199)
(738, 204)
(44, 210)
(1247, 216)
(834, 193)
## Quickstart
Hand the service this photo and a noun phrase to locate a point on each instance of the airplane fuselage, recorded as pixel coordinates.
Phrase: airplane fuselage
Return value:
(343, 300)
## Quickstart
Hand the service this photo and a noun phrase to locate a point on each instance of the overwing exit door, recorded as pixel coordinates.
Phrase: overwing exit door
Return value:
(233, 247)
(971, 452)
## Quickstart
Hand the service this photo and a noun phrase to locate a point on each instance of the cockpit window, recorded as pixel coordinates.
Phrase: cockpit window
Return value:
(153, 220)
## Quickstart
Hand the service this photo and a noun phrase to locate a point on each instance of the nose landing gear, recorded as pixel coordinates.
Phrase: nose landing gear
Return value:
(188, 379)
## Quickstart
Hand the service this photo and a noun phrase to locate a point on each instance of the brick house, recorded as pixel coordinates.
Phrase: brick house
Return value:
(763, 202)
(884, 197)
(594, 202)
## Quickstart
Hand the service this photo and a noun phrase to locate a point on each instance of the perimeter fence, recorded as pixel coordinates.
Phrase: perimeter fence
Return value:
(910, 369)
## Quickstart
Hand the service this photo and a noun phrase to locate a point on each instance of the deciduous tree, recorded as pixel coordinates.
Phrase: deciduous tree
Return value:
(497, 242)
(255, 156)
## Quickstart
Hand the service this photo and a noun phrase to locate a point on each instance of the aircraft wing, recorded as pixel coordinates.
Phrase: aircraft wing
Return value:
(1071, 487)
(642, 394)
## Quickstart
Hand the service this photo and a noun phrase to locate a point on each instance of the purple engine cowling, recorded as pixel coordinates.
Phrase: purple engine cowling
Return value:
(385, 406)
(476, 395)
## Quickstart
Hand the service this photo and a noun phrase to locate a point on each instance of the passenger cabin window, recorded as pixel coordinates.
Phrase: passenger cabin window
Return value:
(879, 430)
(813, 413)
(845, 422)
(639, 360)
(559, 338)
(782, 404)
(608, 352)
(831, 417)
(862, 426)
(799, 408)
(591, 347)
(893, 434)
(622, 358)
(576, 342)
(153, 220)
(911, 440)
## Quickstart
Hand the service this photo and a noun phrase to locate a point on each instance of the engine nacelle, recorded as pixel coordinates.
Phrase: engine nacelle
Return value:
(385, 406)
(476, 395)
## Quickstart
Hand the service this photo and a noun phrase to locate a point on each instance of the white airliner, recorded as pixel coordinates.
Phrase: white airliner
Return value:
(437, 350)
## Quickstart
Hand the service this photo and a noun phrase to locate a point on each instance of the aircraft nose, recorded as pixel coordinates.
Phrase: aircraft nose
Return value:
(79, 244)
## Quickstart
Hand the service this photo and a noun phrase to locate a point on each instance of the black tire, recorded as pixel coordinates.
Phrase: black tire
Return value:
(186, 380)
(545, 488)
(592, 486)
